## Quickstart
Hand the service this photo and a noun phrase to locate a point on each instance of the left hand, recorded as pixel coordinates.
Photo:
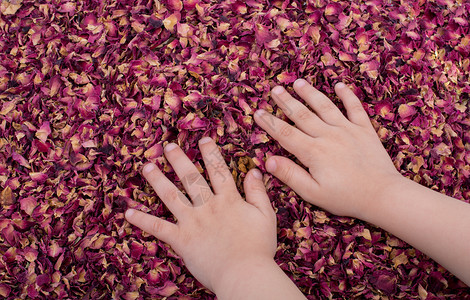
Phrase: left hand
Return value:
(217, 231)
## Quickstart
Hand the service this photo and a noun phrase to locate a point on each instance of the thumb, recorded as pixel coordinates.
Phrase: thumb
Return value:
(255, 192)
(296, 177)
(159, 228)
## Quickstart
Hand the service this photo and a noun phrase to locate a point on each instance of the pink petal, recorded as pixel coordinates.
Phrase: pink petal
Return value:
(384, 109)
(333, 9)
(8, 106)
(28, 204)
(170, 22)
(89, 20)
(38, 176)
(153, 152)
(30, 254)
(287, 77)
(21, 160)
(43, 132)
(370, 68)
(10, 7)
(168, 289)
(4, 290)
(259, 138)
(54, 249)
(461, 21)
(406, 111)
(172, 100)
(68, 7)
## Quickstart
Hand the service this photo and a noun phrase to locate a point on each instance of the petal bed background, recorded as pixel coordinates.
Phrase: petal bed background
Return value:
(91, 90)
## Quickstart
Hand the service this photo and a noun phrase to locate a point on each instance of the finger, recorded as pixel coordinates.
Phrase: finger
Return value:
(303, 117)
(219, 174)
(353, 105)
(320, 103)
(161, 229)
(176, 202)
(294, 176)
(291, 138)
(255, 192)
(193, 182)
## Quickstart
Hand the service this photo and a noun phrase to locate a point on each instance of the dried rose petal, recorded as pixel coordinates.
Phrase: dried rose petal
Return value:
(286, 77)
(170, 22)
(405, 111)
(28, 204)
(263, 34)
(10, 7)
(4, 290)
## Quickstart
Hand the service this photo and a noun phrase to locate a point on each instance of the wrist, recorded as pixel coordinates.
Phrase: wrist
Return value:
(387, 190)
(240, 274)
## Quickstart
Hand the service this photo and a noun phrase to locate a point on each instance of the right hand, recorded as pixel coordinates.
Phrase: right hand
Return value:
(348, 168)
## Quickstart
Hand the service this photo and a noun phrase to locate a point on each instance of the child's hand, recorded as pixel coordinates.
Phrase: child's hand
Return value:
(218, 233)
(348, 168)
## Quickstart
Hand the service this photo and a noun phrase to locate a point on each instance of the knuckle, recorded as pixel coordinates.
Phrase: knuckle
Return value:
(303, 114)
(191, 178)
(286, 130)
(327, 107)
(288, 111)
(316, 94)
(357, 107)
(258, 188)
(288, 174)
(216, 164)
(214, 208)
(157, 226)
(170, 194)
(219, 166)
(286, 107)
(203, 195)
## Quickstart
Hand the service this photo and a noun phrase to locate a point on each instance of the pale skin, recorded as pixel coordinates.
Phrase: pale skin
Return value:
(228, 243)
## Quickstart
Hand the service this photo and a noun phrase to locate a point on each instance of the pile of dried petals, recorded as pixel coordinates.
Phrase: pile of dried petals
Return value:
(90, 90)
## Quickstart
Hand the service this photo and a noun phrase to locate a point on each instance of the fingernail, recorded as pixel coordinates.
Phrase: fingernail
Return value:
(170, 147)
(278, 90)
(271, 165)
(129, 213)
(299, 83)
(257, 174)
(149, 167)
(340, 85)
(205, 140)
(260, 112)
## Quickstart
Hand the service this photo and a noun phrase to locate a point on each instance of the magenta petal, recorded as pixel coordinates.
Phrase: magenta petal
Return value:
(264, 34)
(43, 279)
(136, 250)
